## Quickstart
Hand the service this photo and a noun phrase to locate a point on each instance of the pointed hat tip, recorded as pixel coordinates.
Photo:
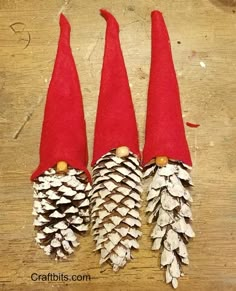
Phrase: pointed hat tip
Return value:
(64, 21)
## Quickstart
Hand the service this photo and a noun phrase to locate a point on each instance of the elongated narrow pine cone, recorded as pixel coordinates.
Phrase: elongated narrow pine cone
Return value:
(169, 209)
(61, 208)
(115, 200)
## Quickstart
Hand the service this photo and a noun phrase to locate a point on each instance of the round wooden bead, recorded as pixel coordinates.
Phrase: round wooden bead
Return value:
(62, 167)
(122, 152)
(161, 161)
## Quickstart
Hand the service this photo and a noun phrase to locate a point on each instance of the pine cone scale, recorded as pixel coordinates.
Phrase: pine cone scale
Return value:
(59, 212)
(115, 208)
(169, 207)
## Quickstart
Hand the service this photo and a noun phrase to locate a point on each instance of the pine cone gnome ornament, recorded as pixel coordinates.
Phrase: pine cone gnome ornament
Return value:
(115, 196)
(166, 159)
(61, 181)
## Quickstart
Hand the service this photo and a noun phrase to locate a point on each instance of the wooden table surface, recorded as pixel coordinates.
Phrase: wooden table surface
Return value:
(203, 38)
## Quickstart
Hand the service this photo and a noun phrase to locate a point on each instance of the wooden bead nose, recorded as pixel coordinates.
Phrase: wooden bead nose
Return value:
(122, 152)
(61, 167)
(161, 161)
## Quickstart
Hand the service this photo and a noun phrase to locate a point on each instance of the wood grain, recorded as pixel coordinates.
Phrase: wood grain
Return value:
(200, 31)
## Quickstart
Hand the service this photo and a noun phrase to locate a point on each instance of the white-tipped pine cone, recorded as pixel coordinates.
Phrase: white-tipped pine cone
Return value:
(115, 200)
(61, 208)
(169, 208)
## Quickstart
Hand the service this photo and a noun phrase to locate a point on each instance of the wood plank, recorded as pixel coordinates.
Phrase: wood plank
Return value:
(200, 31)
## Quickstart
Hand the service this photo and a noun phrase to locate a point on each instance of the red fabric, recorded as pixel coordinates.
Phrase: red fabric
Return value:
(165, 135)
(115, 122)
(190, 124)
(63, 135)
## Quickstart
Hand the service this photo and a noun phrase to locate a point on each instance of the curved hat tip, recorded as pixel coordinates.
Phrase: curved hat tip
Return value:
(106, 14)
(109, 17)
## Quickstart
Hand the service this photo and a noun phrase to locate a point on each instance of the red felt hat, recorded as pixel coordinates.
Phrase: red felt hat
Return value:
(63, 135)
(115, 122)
(165, 135)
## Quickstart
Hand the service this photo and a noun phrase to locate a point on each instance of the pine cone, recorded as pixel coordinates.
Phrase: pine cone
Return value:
(62, 209)
(169, 207)
(115, 200)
